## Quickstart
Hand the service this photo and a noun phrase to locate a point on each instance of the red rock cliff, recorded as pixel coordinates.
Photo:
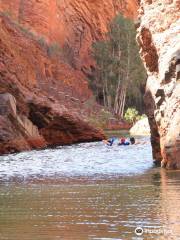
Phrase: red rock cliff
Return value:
(159, 39)
(44, 96)
(41, 102)
(75, 24)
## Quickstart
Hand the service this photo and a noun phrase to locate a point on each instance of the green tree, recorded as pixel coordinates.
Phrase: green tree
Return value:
(120, 74)
(101, 54)
(131, 115)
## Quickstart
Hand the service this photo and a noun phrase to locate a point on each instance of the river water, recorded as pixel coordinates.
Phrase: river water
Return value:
(88, 191)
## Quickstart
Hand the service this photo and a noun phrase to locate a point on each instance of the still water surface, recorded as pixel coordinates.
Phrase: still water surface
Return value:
(88, 191)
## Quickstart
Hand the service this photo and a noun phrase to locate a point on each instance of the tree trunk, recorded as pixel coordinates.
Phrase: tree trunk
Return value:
(123, 103)
(118, 91)
(116, 107)
(120, 103)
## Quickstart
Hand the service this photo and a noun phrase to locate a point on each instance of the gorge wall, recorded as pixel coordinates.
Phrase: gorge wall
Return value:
(45, 56)
(74, 24)
(159, 40)
(41, 103)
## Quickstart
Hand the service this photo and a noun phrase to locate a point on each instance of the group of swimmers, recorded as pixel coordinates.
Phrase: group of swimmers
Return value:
(121, 141)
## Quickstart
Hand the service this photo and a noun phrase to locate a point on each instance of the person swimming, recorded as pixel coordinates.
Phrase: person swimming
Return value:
(110, 141)
(124, 142)
(132, 140)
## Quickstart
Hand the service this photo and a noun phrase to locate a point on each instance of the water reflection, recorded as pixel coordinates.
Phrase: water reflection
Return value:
(109, 209)
(170, 203)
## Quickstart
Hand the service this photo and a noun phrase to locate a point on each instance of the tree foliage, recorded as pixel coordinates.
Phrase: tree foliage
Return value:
(132, 115)
(120, 75)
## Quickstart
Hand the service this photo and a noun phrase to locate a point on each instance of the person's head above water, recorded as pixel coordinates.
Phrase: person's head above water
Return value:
(132, 140)
(122, 140)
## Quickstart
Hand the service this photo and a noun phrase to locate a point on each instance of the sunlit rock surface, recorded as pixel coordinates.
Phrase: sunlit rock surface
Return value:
(75, 24)
(159, 39)
(141, 127)
(41, 101)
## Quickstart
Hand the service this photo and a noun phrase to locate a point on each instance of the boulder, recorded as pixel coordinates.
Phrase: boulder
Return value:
(141, 128)
(17, 133)
(44, 126)
(115, 124)
(61, 127)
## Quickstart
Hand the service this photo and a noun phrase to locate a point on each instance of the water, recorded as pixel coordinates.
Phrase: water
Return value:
(88, 191)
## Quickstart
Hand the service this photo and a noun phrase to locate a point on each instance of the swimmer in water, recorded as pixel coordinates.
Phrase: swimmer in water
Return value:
(110, 141)
(132, 140)
(123, 142)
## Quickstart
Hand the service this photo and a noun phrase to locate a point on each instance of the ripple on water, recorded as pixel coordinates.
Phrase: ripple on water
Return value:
(93, 160)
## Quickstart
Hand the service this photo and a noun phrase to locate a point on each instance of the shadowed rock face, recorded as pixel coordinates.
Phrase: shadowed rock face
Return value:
(159, 39)
(17, 132)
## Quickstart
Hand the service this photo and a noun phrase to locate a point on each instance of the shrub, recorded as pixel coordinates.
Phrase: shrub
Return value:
(6, 14)
(132, 115)
(54, 50)
(26, 31)
(139, 117)
(42, 42)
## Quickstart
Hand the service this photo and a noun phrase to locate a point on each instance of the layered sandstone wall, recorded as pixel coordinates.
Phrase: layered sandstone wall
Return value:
(74, 24)
(42, 99)
(159, 39)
